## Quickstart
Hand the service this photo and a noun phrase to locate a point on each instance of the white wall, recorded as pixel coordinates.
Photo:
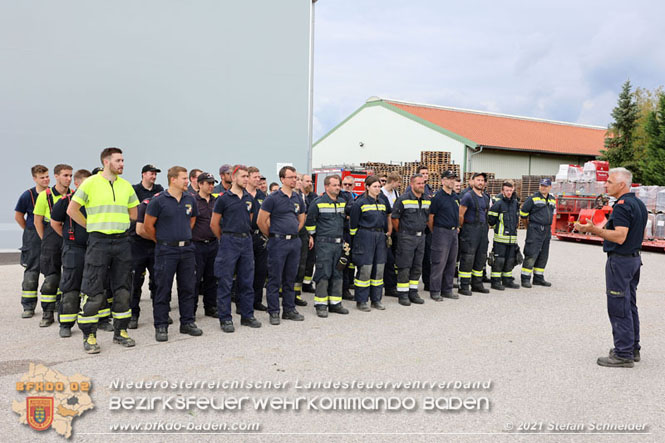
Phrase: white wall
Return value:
(514, 164)
(386, 135)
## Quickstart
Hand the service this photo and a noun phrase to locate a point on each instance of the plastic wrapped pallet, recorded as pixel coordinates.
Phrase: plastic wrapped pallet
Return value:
(659, 227)
(648, 230)
(660, 200)
(648, 195)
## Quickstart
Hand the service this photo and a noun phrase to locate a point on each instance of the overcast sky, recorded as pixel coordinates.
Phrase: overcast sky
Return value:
(563, 60)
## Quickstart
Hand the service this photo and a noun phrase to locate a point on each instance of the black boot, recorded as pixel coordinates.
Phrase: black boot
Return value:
(540, 281)
(526, 281)
(496, 284)
(477, 285)
(509, 282)
(464, 289)
(47, 319)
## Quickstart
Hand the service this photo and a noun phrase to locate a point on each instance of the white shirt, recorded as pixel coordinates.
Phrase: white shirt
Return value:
(392, 195)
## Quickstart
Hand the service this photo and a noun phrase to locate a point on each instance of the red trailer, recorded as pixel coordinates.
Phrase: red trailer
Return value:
(359, 174)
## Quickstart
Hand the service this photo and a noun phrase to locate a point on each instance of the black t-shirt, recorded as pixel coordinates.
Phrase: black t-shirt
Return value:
(445, 208)
(629, 212)
(72, 232)
(143, 193)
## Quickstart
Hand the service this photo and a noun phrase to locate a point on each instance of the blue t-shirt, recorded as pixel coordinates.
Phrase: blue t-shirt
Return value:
(26, 205)
(173, 216)
(284, 212)
(480, 204)
(235, 212)
(445, 208)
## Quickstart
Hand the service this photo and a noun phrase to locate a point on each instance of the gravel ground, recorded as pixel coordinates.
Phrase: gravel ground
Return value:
(537, 347)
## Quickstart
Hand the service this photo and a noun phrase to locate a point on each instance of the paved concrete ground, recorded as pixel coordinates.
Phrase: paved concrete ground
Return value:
(538, 347)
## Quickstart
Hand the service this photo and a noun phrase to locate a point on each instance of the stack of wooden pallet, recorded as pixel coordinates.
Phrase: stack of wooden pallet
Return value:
(437, 162)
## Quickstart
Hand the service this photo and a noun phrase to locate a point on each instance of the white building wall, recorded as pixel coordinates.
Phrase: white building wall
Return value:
(515, 164)
(386, 137)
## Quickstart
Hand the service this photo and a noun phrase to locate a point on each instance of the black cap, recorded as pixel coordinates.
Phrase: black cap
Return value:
(150, 168)
(96, 170)
(477, 174)
(206, 177)
(546, 182)
(449, 174)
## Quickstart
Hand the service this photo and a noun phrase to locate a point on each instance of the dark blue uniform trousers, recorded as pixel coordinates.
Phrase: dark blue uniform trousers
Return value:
(283, 260)
(30, 250)
(206, 281)
(173, 261)
(143, 259)
(369, 255)
(235, 256)
(390, 270)
(622, 274)
(260, 267)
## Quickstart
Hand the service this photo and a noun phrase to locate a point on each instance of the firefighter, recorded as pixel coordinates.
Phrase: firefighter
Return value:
(306, 264)
(444, 224)
(369, 226)
(503, 216)
(231, 222)
(193, 187)
(147, 187)
(205, 245)
(169, 219)
(473, 236)
(280, 218)
(409, 218)
(224, 180)
(50, 259)
(325, 223)
(538, 212)
(31, 243)
(259, 241)
(347, 275)
(143, 260)
(75, 239)
(390, 189)
(110, 203)
(622, 235)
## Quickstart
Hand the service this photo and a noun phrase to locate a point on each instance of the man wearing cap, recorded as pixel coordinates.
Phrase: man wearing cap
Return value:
(444, 224)
(473, 236)
(281, 216)
(205, 245)
(147, 187)
(225, 180)
(168, 222)
(538, 212)
(503, 216)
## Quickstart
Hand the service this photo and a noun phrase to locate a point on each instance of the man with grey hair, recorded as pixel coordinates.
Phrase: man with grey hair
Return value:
(622, 240)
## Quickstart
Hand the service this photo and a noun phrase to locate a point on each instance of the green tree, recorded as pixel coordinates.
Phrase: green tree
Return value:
(653, 163)
(619, 139)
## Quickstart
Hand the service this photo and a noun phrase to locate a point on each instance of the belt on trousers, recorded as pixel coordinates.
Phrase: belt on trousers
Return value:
(446, 227)
(237, 234)
(410, 232)
(102, 235)
(256, 232)
(324, 239)
(205, 242)
(632, 254)
(372, 229)
(175, 243)
(286, 237)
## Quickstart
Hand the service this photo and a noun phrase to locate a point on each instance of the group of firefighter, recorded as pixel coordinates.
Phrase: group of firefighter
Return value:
(229, 242)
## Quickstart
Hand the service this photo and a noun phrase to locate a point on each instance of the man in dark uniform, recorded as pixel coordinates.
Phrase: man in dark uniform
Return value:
(390, 190)
(409, 218)
(428, 193)
(347, 275)
(224, 180)
(259, 241)
(444, 224)
(75, 239)
(307, 259)
(31, 243)
(50, 259)
(325, 223)
(143, 260)
(110, 204)
(231, 222)
(503, 216)
(205, 246)
(193, 187)
(147, 187)
(281, 217)
(622, 235)
(169, 219)
(473, 236)
(538, 211)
